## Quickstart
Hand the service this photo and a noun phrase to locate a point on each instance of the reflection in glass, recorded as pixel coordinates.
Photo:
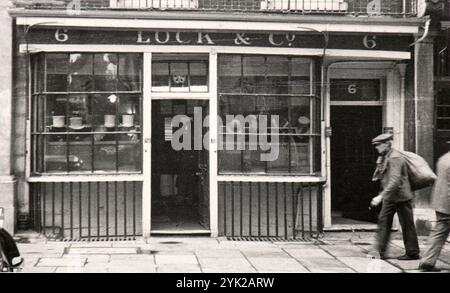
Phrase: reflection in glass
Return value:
(57, 70)
(105, 72)
(81, 70)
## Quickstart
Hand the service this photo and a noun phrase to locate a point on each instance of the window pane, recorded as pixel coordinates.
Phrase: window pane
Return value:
(104, 108)
(55, 155)
(277, 75)
(198, 76)
(300, 80)
(179, 79)
(81, 70)
(130, 77)
(80, 152)
(230, 71)
(130, 153)
(160, 76)
(254, 75)
(129, 110)
(230, 161)
(105, 72)
(79, 118)
(105, 154)
(300, 155)
(57, 70)
(39, 74)
(55, 116)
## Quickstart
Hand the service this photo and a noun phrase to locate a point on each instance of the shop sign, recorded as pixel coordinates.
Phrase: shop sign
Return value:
(242, 39)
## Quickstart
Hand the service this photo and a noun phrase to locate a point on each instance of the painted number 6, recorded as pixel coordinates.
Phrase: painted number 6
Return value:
(352, 89)
(370, 42)
(61, 36)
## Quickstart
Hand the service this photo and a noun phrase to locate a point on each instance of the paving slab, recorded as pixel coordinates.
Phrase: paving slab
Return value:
(178, 269)
(228, 269)
(344, 250)
(405, 264)
(175, 259)
(134, 267)
(279, 254)
(102, 250)
(325, 265)
(272, 265)
(132, 257)
(367, 265)
(233, 262)
(307, 253)
(219, 253)
(61, 262)
(44, 270)
(93, 258)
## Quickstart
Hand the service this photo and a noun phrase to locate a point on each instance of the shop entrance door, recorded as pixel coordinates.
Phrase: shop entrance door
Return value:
(353, 161)
(180, 167)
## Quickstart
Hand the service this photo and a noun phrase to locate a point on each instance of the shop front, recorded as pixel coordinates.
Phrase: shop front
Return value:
(242, 133)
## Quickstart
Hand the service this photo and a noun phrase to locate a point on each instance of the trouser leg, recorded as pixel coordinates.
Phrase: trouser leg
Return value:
(406, 218)
(384, 226)
(437, 239)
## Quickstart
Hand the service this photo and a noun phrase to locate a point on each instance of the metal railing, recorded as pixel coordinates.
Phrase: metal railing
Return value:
(345, 7)
(283, 210)
(87, 210)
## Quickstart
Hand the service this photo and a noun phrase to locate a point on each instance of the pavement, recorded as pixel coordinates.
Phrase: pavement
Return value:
(334, 253)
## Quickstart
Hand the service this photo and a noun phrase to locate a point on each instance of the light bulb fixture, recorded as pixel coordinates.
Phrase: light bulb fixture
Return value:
(112, 98)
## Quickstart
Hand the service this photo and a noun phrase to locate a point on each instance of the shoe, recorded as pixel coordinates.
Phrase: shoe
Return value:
(409, 257)
(428, 268)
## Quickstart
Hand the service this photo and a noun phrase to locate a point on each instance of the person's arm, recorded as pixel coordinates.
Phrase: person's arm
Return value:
(395, 176)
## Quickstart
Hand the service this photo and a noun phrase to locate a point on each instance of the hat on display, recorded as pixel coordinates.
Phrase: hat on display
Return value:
(382, 138)
(303, 120)
(58, 121)
(127, 120)
(76, 122)
(110, 120)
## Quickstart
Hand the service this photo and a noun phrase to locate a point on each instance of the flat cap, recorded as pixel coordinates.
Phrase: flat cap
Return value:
(382, 138)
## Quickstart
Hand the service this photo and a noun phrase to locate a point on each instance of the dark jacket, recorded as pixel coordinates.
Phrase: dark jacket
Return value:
(8, 247)
(395, 182)
(440, 196)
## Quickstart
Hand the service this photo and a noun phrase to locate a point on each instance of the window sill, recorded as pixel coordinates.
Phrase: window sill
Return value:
(270, 178)
(86, 177)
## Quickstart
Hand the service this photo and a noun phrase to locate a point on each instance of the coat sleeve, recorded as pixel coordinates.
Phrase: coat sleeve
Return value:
(395, 177)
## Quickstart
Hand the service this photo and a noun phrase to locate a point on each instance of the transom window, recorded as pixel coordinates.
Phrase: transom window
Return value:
(179, 73)
(87, 111)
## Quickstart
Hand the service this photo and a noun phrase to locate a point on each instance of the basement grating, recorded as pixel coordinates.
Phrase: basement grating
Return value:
(98, 239)
(271, 239)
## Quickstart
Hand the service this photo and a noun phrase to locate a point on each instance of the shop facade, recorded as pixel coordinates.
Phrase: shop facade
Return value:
(129, 126)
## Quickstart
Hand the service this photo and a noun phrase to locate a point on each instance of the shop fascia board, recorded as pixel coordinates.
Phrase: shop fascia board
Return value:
(266, 25)
(338, 54)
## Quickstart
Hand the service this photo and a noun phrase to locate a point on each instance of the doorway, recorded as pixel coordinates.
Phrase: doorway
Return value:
(180, 173)
(352, 162)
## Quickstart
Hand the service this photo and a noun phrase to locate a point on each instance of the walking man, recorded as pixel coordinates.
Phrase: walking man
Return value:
(396, 196)
(440, 201)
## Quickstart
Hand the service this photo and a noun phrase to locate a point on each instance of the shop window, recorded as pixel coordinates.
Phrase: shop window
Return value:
(179, 73)
(86, 113)
(275, 89)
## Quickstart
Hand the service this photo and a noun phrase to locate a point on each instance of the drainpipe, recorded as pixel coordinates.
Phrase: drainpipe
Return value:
(416, 121)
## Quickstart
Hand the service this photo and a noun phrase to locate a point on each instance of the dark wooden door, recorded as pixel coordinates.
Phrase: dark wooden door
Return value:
(353, 159)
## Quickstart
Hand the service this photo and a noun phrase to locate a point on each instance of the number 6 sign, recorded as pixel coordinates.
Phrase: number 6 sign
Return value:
(370, 42)
(352, 89)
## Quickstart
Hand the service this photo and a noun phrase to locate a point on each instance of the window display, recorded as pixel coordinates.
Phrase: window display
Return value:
(281, 90)
(90, 120)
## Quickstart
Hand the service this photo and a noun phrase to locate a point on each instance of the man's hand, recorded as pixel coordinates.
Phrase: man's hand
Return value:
(376, 201)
